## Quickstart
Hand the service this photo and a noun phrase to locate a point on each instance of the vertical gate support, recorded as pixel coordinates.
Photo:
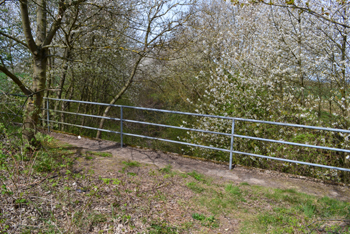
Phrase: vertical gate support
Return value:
(232, 132)
(121, 127)
(48, 115)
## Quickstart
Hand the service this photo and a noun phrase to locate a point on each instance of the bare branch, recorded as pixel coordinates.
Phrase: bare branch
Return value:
(57, 24)
(16, 80)
(26, 26)
(307, 10)
(54, 46)
(15, 39)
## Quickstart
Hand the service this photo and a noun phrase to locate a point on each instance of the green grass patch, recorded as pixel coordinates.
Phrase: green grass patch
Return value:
(162, 227)
(100, 154)
(131, 164)
(195, 187)
(166, 169)
(206, 221)
(245, 184)
(196, 176)
(233, 190)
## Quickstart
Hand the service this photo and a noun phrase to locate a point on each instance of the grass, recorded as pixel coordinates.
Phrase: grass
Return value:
(100, 154)
(206, 221)
(196, 176)
(195, 187)
(89, 155)
(159, 227)
(166, 169)
(131, 164)
(46, 192)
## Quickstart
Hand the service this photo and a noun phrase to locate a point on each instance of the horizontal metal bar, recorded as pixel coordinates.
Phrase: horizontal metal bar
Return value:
(238, 152)
(141, 122)
(242, 136)
(87, 115)
(84, 102)
(80, 126)
(177, 142)
(209, 116)
(175, 127)
(292, 143)
(141, 108)
(211, 132)
(141, 136)
(294, 125)
(178, 112)
(209, 147)
(293, 161)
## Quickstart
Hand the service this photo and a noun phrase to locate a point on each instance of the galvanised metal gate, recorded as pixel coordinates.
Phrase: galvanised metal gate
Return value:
(232, 134)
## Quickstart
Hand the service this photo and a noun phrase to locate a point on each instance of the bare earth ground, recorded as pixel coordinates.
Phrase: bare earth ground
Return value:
(109, 166)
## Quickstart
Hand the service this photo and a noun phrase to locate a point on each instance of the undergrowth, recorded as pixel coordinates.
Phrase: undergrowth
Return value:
(46, 190)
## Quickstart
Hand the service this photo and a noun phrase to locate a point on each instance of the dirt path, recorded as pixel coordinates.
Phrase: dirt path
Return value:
(239, 174)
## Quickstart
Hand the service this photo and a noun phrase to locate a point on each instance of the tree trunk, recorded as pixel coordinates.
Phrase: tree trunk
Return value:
(122, 91)
(34, 103)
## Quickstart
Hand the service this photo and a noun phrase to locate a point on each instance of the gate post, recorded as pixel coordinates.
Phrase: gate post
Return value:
(48, 115)
(121, 127)
(232, 132)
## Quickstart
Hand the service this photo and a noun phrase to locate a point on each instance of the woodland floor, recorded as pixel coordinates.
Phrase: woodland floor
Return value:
(108, 166)
(94, 186)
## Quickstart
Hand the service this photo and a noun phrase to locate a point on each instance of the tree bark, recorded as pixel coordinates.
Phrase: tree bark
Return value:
(34, 103)
(39, 52)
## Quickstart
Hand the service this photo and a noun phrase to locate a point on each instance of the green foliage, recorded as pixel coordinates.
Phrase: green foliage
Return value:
(309, 209)
(100, 154)
(131, 164)
(97, 218)
(7, 86)
(281, 223)
(197, 216)
(195, 187)
(330, 207)
(160, 227)
(5, 190)
(245, 183)
(166, 169)
(234, 190)
(206, 221)
(262, 210)
(196, 176)
(89, 157)
(45, 162)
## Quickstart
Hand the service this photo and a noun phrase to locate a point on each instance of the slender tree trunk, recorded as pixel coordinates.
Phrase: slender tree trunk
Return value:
(300, 68)
(63, 77)
(343, 87)
(122, 91)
